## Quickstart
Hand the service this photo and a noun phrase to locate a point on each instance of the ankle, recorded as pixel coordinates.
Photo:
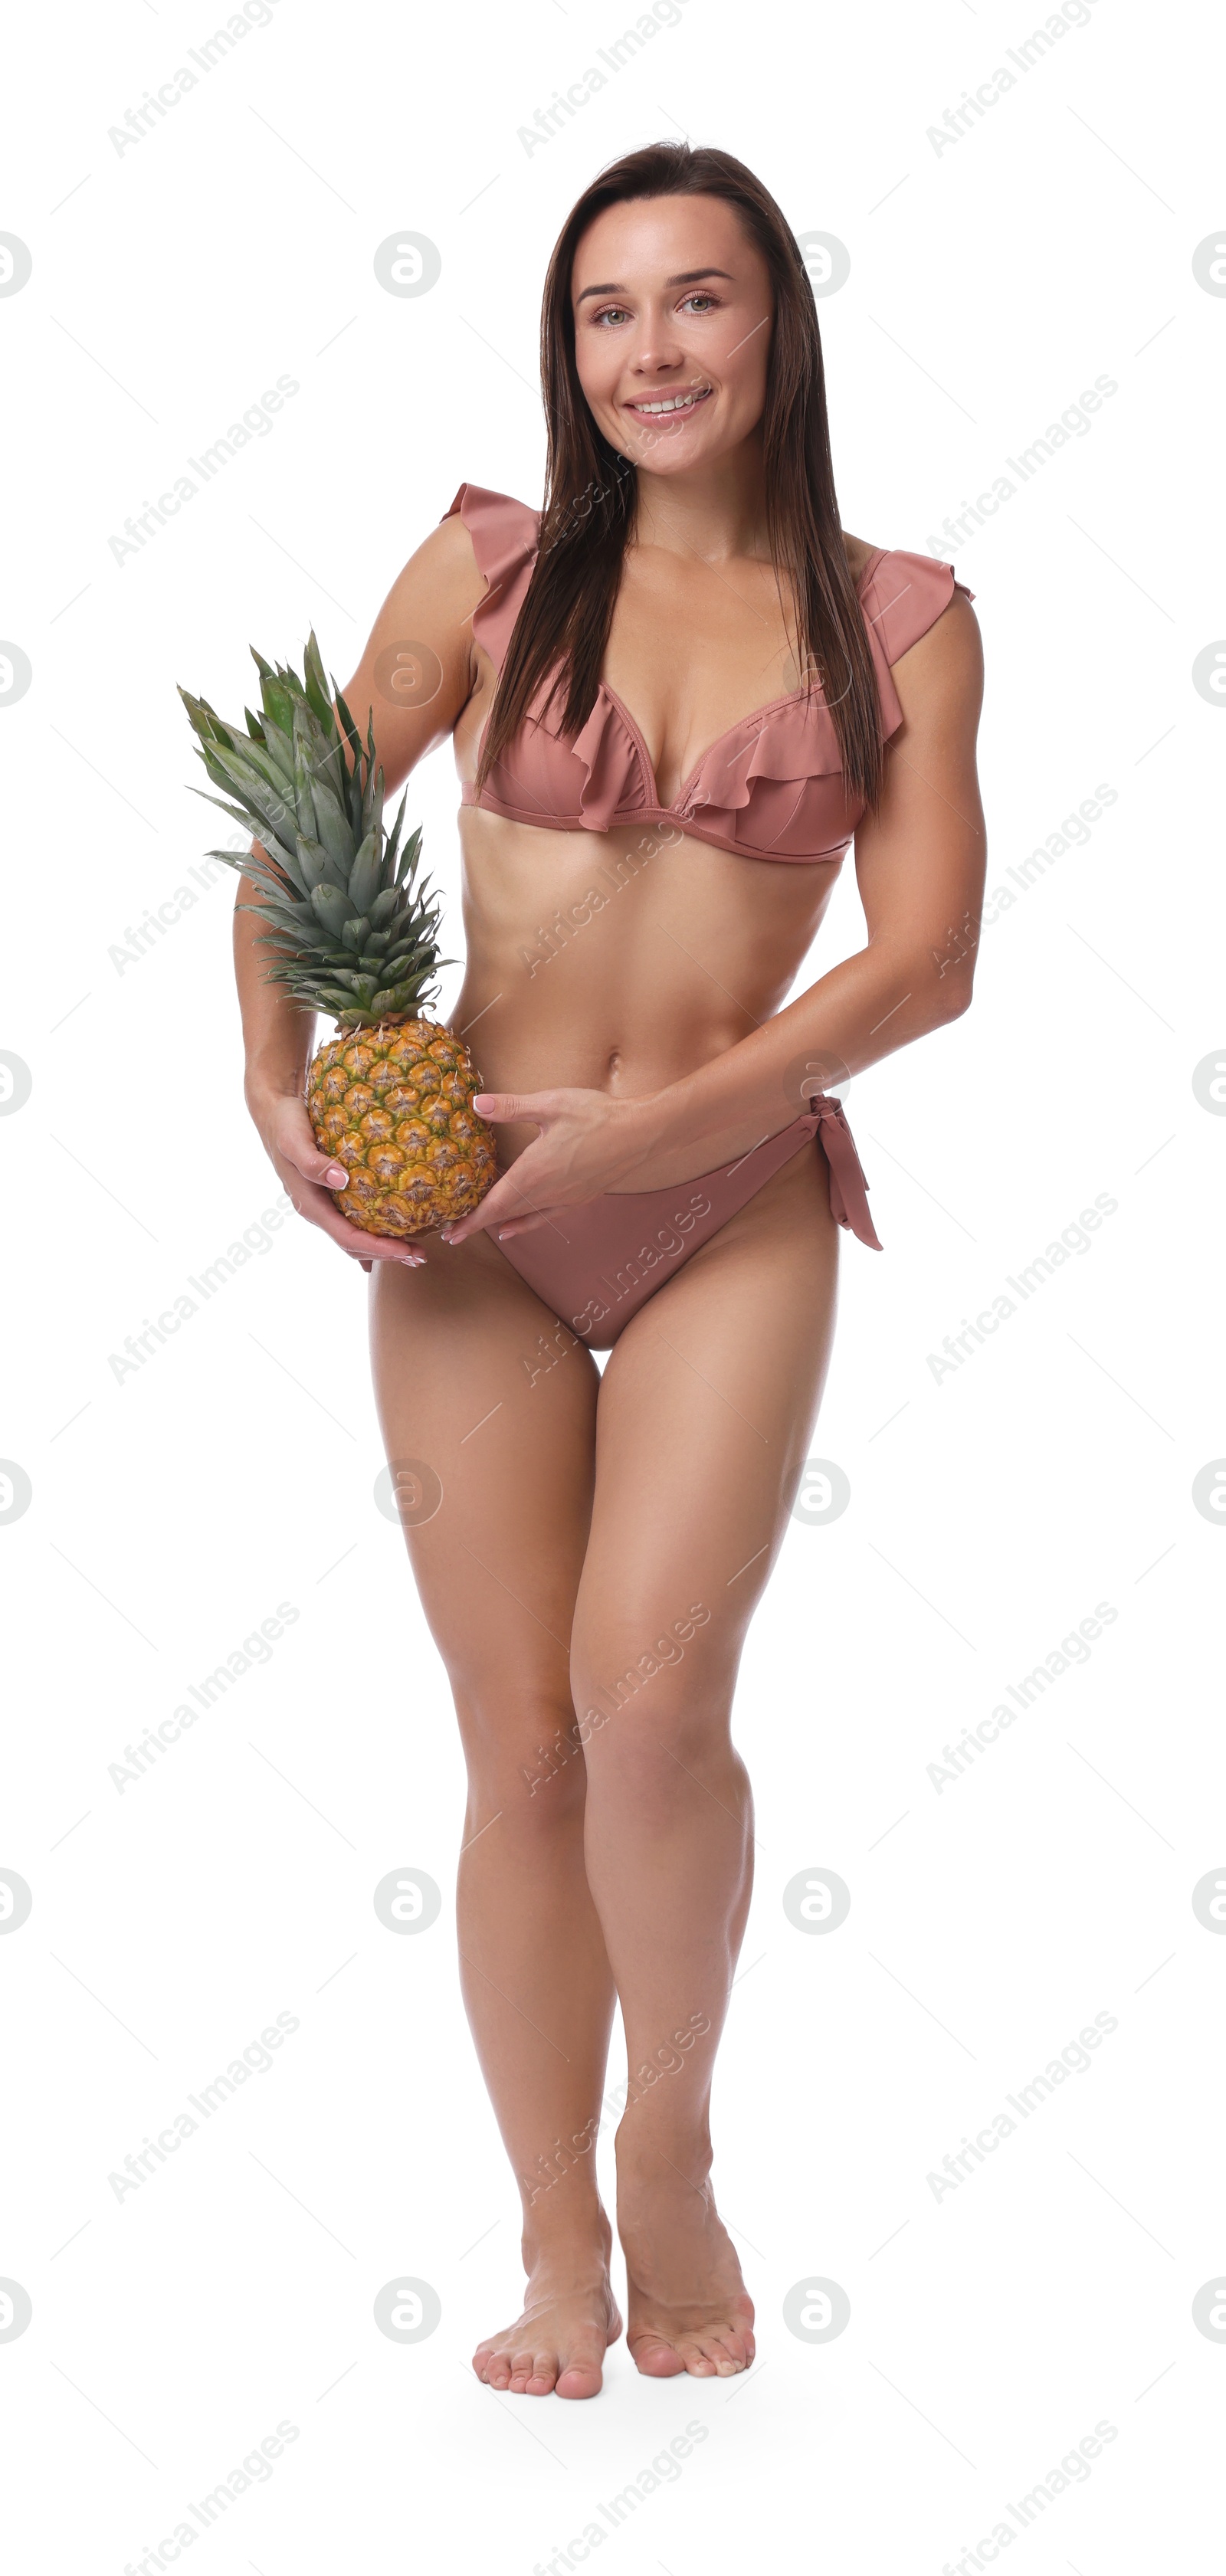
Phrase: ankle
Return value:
(649, 2152)
(577, 2242)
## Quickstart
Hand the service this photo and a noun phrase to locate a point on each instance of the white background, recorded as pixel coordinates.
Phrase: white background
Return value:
(991, 1510)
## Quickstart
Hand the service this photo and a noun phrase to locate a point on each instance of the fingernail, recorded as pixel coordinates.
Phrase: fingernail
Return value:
(336, 1178)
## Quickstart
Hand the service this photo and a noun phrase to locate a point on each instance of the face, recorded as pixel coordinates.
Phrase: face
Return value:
(673, 309)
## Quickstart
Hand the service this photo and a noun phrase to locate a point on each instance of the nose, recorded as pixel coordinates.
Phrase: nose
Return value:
(658, 349)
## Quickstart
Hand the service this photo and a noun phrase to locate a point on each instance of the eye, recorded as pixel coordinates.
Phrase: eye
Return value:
(701, 296)
(610, 313)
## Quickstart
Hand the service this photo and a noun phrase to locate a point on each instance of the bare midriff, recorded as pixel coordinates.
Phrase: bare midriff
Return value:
(620, 961)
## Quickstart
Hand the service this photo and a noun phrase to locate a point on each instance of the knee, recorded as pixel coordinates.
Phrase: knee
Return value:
(523, 1752)
(643, 1713)
(656, 1753)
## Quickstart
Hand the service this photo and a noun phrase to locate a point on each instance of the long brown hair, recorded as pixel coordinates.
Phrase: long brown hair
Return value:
(590, 489)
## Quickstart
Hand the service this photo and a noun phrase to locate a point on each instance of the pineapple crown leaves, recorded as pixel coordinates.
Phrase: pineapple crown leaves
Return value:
(351, 929)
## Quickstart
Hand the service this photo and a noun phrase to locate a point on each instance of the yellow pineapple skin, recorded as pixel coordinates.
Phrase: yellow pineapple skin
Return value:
(394, 1105)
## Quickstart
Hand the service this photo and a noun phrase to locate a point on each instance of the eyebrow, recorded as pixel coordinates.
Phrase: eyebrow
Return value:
(688, 277)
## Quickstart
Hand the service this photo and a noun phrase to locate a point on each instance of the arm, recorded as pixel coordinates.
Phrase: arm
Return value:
(920, 869)
(430, 606)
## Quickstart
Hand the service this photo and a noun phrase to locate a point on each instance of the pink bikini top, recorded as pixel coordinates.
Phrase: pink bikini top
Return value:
(770, 788)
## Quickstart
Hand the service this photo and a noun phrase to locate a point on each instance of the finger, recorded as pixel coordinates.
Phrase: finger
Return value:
(504, 1202)
(301, 1155)
(502, 1233)
(522, 1190)
(317, 1208)
(386, 1249)
(369, 1248)
(509, 1106)
(289, 1134)
(317, 1167)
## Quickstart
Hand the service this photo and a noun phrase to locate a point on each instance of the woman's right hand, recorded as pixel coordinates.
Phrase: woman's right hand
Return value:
(310, 1177)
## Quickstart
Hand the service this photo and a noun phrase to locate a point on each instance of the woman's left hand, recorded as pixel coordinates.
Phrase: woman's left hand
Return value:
(587, 1144)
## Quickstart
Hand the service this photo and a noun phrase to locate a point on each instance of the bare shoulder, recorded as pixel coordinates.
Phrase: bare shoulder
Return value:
(441, 574)
(944, 667)
(939, 680)
(949, 653)
(419, 667)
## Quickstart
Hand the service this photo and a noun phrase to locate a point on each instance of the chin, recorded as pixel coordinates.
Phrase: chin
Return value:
(676, 453)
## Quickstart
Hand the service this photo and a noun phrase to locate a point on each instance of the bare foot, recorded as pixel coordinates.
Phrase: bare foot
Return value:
(569, 2317)
(688, 2305)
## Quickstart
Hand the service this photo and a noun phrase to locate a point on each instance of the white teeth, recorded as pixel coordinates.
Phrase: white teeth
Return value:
(676, 402)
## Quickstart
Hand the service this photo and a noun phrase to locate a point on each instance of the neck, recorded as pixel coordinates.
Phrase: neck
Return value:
(718, 511)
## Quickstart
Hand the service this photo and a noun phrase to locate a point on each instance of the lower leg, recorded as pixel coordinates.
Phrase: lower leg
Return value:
(669, 1846)
(539, 1995)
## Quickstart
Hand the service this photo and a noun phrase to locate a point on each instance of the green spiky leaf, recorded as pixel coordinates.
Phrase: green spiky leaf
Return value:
(364, 876)
(277, 703)
(351, 730)
(316, 686)
(347, 925)
(331, 908)
(384, 906)
(332, 827)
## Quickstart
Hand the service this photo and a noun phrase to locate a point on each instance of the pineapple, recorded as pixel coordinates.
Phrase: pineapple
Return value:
(352, 933)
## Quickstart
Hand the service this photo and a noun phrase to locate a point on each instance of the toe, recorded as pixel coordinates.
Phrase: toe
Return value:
(542, 2377)
(695, 2360)
(581, 2369)
(656, 2358)
(497, 2373)
(579, 2379)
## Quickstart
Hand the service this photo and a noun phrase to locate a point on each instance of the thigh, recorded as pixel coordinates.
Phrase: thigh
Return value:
(706, 1409)
(491, 1404)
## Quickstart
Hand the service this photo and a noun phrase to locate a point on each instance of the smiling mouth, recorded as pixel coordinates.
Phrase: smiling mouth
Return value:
(664, 406)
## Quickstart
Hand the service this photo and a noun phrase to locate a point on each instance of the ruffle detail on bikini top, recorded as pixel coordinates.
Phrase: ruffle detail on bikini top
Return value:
(772, 786)
(613, 766)
(504, 534)
(793, 740)
(582, 782)
(604, 773)
(902, 597)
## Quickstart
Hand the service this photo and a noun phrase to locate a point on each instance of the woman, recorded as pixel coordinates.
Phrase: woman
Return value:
(649, 847)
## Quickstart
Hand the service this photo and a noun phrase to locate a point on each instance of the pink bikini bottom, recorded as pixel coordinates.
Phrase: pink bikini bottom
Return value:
(596, 1265)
